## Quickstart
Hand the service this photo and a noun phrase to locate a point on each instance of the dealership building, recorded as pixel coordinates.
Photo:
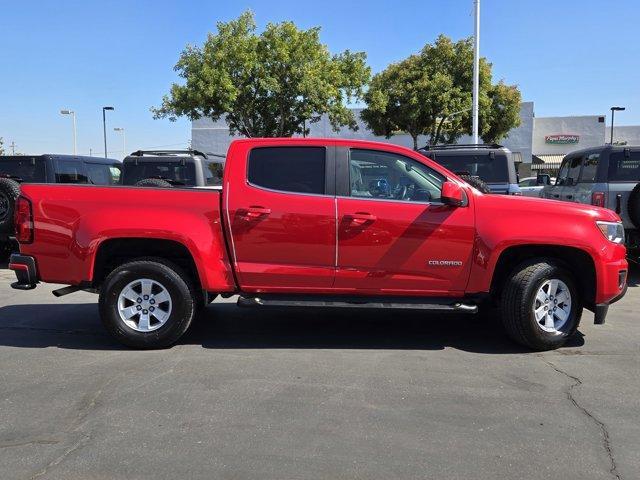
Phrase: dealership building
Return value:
(537, 142)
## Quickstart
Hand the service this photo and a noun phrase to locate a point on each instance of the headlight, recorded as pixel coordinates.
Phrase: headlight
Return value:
(613, 231)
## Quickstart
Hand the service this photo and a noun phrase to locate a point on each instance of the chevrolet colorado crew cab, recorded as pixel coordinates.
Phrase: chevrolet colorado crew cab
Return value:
(321, 222)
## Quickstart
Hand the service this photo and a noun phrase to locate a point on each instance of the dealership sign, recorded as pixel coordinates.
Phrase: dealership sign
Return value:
(561, 139)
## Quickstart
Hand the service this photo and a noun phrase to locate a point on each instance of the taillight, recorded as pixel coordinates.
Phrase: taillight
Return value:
(23, 220)
(598, 199)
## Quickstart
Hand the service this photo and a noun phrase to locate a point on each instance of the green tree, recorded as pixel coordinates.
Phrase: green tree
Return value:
(270, 84)
(1, 146)
(430, 94)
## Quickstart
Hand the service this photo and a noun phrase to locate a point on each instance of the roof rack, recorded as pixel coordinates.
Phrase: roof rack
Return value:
(141, 153)
(462, 145)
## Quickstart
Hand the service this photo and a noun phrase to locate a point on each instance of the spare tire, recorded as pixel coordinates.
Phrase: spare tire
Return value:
(153, 182)
(476, 182)
(9, 191)
(633, 206)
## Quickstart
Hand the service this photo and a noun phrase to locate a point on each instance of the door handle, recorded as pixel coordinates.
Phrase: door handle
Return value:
(360, 218)
(556, 195)
(568, 197)
(256, 211)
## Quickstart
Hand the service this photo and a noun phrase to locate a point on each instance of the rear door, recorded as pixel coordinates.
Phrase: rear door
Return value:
(281, 212)
(584, 189)
(394, 234)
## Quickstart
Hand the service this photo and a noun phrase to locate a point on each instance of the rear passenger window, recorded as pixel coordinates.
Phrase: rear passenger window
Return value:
(562, 174)
(590, 168)
(70, 171)
(624, 167)
(289, 169)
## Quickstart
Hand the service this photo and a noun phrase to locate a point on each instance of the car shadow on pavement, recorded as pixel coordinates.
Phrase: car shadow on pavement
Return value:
(227, 326)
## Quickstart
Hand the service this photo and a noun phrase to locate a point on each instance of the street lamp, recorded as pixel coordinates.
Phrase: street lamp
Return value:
(124, 140)
(104, 128)
(73, 115)
(614, 109)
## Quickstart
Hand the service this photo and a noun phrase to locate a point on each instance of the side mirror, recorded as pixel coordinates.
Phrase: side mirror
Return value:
(452, 194)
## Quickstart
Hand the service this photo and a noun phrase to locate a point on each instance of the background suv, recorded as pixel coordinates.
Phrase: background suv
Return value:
(172, 168)
(493, 164)
(607, 176)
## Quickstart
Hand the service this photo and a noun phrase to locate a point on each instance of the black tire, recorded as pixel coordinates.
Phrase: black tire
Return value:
(172, 278)
(519, 299)
(633, 206)
(9, 191)
(153, 182)
(476, 182)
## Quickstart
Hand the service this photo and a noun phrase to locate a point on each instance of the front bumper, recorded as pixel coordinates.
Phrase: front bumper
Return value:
(24, 267)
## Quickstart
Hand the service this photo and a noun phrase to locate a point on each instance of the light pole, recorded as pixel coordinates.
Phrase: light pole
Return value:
(124, 140)
(476, 70)
(73, 115)
(614, 109)
(104, 128)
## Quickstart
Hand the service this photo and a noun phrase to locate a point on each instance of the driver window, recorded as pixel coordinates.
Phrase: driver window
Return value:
(562, 174)
(388, 176)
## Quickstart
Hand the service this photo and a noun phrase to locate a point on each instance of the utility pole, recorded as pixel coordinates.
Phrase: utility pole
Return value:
(91, 152)
(476, 69)
(613, 110)
(13, 147)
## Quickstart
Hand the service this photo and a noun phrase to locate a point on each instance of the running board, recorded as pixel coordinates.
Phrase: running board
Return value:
(432, 304)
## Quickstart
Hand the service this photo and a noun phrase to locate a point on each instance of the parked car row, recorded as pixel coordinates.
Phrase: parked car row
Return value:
(318, 222)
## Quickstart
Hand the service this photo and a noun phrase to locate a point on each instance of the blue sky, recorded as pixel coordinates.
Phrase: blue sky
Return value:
(571, 57)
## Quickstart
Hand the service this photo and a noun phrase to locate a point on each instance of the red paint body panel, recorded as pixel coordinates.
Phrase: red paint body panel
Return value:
(72, 221)
(287, 242)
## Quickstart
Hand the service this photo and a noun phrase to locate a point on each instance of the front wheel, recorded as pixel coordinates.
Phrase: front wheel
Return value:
(147, 303)
(541, 306)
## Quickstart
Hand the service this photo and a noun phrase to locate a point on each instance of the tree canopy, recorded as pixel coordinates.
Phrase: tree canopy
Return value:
(270, 84)
(429, 93)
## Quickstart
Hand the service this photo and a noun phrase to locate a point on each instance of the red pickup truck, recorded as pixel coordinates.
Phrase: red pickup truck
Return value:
(321, 222)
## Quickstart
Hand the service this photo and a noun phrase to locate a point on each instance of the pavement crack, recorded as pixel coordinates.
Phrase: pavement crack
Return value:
(606, 439)
(56, 461)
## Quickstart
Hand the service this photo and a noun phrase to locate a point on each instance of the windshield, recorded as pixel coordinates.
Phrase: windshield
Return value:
(178, 172)
(23, 169)
(491, 170)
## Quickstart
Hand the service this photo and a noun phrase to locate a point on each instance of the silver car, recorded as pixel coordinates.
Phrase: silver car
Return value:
(607, 176)
(532, 186)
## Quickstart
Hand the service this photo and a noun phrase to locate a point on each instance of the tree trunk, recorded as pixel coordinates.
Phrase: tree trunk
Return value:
(438, 130)
(415, 141)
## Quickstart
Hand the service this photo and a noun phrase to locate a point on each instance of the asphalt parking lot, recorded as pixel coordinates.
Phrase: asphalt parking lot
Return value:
(284, 394)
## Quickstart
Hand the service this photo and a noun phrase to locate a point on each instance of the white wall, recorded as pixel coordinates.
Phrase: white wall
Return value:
(589, 128)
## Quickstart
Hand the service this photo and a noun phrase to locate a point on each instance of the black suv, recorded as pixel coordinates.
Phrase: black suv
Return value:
(48, 168)
(172, 168)
(492, 164)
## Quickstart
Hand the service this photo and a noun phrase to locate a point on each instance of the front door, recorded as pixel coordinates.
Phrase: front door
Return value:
(281, 212)
(394, 234)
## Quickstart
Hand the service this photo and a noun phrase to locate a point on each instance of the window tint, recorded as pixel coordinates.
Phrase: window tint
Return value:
(490, 168)
(574, 170)
(624, 167)
(289, 169)
(213, 173)
(562, 174)
(24, 169)
(70, 171)
(102, 174)
(374, 174)
(176, 172)
(590, 168)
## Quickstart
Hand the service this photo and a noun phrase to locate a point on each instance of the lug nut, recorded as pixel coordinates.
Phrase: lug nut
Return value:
(146, 297)
(152, 301)
(139, 300)
(151, 309)
(145, 312)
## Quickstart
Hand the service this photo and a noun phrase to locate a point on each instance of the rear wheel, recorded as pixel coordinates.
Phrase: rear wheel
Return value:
(153, 182)
(541, 306)
(147, 303)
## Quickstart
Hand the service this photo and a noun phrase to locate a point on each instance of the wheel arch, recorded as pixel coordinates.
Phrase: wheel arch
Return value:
(113, 252)
(577, 261)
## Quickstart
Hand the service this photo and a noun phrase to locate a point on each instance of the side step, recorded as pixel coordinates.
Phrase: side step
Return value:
(410, 303)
